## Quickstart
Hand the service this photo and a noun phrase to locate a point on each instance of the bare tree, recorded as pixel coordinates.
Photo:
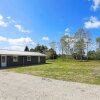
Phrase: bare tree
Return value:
(82, 42)
(60, 47)
(87, 41)
(98, 42)
(66, 41)
(53, 46)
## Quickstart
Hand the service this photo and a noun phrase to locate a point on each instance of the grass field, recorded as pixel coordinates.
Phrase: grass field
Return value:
(76, 71)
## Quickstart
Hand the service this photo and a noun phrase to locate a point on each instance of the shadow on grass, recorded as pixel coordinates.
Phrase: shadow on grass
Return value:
(23, 66)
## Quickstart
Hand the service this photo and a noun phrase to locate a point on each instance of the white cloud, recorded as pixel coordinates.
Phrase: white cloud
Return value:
(45, 38)
(21, 29)
(92, 23)
(21, 41)
(2, 22)
(67, 31)
(17, 43)
(1, 17)
(8, 17)
(96, 4)
(17, 48)
(3, 39)
(13, 22)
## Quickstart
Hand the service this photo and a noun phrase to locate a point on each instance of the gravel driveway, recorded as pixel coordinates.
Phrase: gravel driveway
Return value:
(14, 86)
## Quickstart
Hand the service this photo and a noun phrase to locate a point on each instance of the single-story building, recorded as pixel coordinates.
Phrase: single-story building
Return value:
(19, 58)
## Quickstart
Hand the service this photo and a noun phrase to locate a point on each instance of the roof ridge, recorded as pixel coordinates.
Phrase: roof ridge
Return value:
(9, 50)
(17, 50)
(20, 52)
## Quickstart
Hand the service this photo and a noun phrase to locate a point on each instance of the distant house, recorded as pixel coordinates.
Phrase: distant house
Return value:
(19, 58)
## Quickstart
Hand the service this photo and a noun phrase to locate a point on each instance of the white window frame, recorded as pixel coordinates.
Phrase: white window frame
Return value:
(15, 60)
(28, 58)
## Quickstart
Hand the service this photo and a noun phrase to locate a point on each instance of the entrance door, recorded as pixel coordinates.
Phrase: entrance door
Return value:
(39, 59)
(3, 61)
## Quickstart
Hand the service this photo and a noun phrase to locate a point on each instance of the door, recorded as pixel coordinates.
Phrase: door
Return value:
(39, 59)
(3, 61)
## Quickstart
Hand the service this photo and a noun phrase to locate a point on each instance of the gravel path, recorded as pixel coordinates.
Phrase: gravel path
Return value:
(14, 86)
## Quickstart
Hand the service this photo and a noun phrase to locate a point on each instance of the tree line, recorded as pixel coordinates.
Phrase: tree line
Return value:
(51, 53)
(78, 46)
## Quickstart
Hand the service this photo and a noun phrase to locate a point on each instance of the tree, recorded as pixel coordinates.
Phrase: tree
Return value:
(61, 47)
(51, 54)
(32, 50)
(79, 49)
(65, 42)
(82, 40)
(87, 41)
(26, 48)
(53, 45)
(40, 48)
(98, 54)
(53, 48)
(98, 42)
(92, 55)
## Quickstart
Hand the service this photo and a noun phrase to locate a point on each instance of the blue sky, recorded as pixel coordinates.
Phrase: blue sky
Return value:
(28, 22)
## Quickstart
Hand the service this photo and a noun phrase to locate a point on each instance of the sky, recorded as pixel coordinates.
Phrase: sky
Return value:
(32, 22)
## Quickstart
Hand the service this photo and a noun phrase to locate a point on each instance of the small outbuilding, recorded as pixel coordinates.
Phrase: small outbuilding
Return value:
(20, 58)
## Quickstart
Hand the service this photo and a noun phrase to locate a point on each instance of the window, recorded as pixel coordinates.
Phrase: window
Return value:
(28, 58)
(15, 58)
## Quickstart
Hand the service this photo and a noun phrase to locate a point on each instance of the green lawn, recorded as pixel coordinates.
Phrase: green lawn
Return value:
(85, 72)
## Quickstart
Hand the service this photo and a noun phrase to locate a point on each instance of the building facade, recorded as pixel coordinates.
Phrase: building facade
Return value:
(19, 58)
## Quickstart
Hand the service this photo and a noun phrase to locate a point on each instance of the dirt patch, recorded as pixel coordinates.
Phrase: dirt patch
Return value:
(14, 86)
